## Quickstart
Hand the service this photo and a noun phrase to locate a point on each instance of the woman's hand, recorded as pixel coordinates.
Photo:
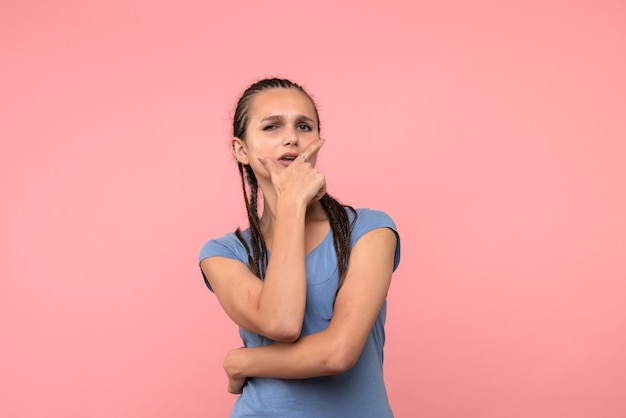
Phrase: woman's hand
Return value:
(300, 179)
(235, 385)
(235, 380)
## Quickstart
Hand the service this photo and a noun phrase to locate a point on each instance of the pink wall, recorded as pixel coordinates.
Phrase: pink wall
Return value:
(493, 132)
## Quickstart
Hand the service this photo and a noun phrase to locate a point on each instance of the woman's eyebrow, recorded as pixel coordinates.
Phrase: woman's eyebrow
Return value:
(305, 118)
(274, 118)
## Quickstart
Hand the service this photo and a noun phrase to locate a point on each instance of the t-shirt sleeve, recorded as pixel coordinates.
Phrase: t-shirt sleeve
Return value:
(368, 220)
(227, 246)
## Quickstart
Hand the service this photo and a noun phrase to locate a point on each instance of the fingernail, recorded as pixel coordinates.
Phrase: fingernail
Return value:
(261, 160)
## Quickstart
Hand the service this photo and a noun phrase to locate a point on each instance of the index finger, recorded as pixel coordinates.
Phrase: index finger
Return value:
(312, 149)
(269, 165)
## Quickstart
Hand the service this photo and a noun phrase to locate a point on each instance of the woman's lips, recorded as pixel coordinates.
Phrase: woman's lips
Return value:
(287, 159)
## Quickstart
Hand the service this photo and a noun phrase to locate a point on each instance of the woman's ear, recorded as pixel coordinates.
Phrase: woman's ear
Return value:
(239, 151)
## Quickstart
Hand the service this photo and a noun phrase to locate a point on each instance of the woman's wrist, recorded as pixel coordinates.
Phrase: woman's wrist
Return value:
(292, 204)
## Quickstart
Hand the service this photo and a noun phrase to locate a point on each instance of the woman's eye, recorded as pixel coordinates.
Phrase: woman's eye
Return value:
(270, 127)
(304, 127)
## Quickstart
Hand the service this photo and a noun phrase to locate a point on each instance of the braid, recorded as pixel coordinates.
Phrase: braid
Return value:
(341, 228)
(257, 260)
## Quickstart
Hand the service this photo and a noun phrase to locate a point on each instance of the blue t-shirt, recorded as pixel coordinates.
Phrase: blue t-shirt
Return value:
(360, 391)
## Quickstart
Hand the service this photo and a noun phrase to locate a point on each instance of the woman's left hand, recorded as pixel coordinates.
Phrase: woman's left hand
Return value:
(235, 385)
(235, 381)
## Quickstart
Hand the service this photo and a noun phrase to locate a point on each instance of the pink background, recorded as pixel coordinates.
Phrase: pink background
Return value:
(493, 132)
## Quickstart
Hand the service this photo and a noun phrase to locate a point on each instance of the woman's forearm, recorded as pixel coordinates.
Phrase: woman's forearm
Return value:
(311, 356)
(284, 287)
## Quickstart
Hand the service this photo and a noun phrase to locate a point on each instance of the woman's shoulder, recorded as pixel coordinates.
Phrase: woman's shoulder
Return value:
(369, 219)
(373, 217)
(228, 245)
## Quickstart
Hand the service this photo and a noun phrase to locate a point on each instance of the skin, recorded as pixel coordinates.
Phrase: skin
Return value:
(283, 123)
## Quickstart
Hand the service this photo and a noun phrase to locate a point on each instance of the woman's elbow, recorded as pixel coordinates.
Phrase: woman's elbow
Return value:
(286, 337)
(342, 359)
(284, 332)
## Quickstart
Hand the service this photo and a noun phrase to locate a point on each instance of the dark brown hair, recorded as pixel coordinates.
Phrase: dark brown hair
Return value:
(336, 212)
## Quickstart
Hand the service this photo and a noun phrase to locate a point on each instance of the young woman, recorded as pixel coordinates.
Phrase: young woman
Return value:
(307, 281)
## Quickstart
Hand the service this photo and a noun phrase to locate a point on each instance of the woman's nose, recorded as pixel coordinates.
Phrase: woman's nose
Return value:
(291, 138)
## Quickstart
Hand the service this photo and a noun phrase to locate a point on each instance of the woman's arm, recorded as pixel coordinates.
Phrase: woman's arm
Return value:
(337, 348)
(273, 307)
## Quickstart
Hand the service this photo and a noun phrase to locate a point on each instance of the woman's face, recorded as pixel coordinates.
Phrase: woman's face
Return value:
(282, 122)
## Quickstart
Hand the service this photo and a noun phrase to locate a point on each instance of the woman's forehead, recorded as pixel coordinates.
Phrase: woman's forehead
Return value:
(281, 101)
